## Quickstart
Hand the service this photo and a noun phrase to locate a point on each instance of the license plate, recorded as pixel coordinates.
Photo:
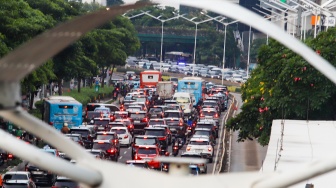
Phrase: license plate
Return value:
(136, 121)
(172, 129)
(37, 172)
(199, 150)
(101, 128)
(208, 117)
(189, 131)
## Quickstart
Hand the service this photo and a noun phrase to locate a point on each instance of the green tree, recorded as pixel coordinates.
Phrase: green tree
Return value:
(284, 85)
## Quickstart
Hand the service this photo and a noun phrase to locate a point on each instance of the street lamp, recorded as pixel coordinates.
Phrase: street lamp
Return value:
(248, 53)
(162, 22)
(224, 44)
(196, 24)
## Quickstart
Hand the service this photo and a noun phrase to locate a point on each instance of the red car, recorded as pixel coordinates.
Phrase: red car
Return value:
(148, 153)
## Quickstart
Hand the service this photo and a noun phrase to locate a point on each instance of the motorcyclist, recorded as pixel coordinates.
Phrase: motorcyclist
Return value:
(65, 129)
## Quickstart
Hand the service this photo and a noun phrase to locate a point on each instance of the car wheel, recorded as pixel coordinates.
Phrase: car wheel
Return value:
(211, 160)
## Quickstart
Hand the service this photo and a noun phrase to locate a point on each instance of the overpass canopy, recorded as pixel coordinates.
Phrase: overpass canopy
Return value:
(303, 142)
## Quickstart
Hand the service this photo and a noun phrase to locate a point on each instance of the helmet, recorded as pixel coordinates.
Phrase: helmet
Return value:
(65, 124)
(91, 121)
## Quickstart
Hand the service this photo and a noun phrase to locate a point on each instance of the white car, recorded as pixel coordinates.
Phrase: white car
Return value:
(201, 144)
(18, 179)
(125, 137)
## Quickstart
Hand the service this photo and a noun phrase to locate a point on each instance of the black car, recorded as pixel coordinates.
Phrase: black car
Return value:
(140, 120)
(65, 182)
(143, 140)
(177, 127)
(40, 176)
(87, 134)
(161, 133)
(101, 124)
(108, 146)
(110, 135)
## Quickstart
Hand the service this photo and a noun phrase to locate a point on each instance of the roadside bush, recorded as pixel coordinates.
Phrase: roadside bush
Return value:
(88, 94)
(238, 90)
(123, 70)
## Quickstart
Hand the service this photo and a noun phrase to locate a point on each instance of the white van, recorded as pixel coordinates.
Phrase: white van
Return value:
(185, 100)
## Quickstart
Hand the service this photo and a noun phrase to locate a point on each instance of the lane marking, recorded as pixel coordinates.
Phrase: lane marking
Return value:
(125, 152)
(120, 157)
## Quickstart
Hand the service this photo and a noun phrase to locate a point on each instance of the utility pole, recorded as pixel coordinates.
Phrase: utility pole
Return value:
(299, 23)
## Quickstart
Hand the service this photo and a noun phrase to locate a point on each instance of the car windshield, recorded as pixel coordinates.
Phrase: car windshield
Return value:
(145, 141)
(173, 108)
(155, 110)
(74, 138)
(147, 151)
(208, 113)
(155, 132)
(105, 136)
(198, 143)
(120, 116)
(138, 116)
(139, 99)
(174, 79)
(123, 121)
(102, 146)
(81, 132)
(101, 122)
(119, 131)
(102, 110)
(198, 132)
(15, 177)
(173, 122)
(209, 103)
(156, 122)
(182, 99)
(201, 125)
(172, 115)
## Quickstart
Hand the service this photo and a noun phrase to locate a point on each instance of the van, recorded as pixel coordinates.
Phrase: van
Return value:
(185, 100)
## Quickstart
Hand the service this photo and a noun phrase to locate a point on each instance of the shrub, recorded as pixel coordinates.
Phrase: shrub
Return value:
(238, 90)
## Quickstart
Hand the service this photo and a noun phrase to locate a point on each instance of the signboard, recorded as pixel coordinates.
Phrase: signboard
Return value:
(330, 22)
(323, 20)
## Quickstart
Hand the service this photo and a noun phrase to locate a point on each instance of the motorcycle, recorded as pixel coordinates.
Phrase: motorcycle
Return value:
(175, 149)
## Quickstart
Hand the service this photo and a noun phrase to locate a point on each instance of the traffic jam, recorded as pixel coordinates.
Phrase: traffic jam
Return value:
(158, 118)
(174, 118)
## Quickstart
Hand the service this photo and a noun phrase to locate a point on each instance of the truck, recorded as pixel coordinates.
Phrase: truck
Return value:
(165, 89)
(149, 79)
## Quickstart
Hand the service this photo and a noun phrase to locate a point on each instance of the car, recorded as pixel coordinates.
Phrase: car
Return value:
(211, 104)
(42, 177)
(192, 154)
(109, 135)
(109, 147)
(128, 123)
(105, 112)
(134, 108)
(137, 163)
(202, 145)
(209, 113)
(208, 124)
(99, 154)
(167, 102)
(142, 99)
(156, 121)
(87, 134)
(143, 140)
(156, 111)
(116, 124)
(149, 153)
(140, 120)
(18, 179)
(101, 124)
(177, 127)
(168, 132)
(76, 138)
(162, 135)
(194, 170)
(206, 132)
(173, 114)
(64, 182)
(125, 137)
(120, 115)
(175, 107)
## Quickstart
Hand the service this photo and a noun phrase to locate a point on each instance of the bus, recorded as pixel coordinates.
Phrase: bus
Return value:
(193, 85)
(62, 109)
(149, 79)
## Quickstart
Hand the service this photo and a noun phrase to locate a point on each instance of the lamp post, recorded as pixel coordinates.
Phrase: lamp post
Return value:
(196, 24)
(248, 53)
(224, 45)
(162, 23)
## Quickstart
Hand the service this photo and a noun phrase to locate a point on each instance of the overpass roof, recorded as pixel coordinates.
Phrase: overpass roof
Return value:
(303, 142)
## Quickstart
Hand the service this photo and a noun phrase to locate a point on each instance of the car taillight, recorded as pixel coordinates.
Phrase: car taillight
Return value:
(162, 138)
(216, 115)
(188, 148)
(137, 157)
(189, 128)
(116, 141)
(209, 148)
(202, 115)
(175, 147)
(144, 120)
(126, 136)
(131, 126)
(51, 123)
(111, 151)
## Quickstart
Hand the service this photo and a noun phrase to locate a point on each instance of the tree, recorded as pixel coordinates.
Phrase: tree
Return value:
(114, 2)
(284, 85)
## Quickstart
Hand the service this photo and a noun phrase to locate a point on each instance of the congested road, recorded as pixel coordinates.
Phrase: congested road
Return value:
(125, 152)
